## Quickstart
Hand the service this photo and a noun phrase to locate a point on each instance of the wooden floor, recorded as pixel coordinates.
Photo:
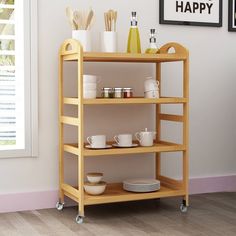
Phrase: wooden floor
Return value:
(209, 214)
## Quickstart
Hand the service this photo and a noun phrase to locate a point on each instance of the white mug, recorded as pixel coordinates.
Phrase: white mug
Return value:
(145, 138)
(124, 140)
(84, 37)
(97, 141)
(109, 41)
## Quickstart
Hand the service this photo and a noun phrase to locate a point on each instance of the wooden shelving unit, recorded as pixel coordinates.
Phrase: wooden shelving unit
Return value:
(71, 50)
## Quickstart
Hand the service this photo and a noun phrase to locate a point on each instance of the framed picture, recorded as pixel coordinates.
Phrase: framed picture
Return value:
(191, 12)
(232, 15)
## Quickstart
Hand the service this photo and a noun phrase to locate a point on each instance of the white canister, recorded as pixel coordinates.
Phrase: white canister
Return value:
(151, 84)
(151, 94)
(84, 37)
(109, 41)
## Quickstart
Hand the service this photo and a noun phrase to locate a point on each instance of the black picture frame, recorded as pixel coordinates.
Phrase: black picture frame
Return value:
(199, 23)
(231, 15)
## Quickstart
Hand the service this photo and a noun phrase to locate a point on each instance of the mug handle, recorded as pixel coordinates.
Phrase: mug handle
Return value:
(138, 137)
(116, 139)
(89, 139)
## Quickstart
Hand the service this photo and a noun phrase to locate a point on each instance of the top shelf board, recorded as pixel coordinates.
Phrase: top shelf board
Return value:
(126, 57)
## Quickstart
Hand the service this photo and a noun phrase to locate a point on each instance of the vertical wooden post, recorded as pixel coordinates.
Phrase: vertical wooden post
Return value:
(80, 133)
(186, 130)
(61, 131)
(158, 122)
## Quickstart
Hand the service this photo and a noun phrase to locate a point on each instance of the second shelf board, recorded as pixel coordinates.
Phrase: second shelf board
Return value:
(135, 100)
(115, 193)
(161, 146)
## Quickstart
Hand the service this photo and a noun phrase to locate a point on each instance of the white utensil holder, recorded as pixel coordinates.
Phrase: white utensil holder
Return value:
(109, 41)
(84, 37)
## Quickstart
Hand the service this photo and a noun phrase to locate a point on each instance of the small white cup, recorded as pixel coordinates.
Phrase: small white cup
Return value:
(97, 141)
(124, 140)
(90, 86)
(84, 37)
(109, 41)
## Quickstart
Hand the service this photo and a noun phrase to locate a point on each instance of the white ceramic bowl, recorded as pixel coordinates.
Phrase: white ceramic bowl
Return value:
(94, 177)
(152, 94)
(90, 94)
(95, 189)
(90, 86)
(90, 79)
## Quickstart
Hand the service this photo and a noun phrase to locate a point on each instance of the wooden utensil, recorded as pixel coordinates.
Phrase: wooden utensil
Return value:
(115, 19)
(77, 19)
(89, 19)
(69, 13)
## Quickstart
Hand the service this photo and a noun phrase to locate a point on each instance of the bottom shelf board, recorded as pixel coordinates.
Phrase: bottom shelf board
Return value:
(115, 193)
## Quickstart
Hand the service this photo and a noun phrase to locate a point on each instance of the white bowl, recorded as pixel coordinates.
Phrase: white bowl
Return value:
(95, 189)
(94, 177)
(151, 94)
(90, 94)
(90, 79)
(90, 86)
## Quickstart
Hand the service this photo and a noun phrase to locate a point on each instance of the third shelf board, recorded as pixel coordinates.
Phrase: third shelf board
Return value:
(138, 100)
(161, 146)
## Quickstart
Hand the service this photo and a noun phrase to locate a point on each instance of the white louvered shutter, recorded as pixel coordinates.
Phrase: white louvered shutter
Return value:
(7, 74)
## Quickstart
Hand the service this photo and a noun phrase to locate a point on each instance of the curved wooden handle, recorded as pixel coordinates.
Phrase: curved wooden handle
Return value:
(71, 46)
(179, 49)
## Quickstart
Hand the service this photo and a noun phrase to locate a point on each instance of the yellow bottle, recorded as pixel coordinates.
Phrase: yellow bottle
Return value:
(134, 45)
(153, 46)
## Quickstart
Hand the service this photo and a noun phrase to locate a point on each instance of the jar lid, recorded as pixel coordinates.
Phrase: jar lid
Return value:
(106, 88)
(118, 88)
(128, 89)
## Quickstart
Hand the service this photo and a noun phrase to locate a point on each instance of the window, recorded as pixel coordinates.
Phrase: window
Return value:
(18, 78)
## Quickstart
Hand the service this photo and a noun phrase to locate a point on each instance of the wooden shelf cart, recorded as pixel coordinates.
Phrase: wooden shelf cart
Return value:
(71, 50)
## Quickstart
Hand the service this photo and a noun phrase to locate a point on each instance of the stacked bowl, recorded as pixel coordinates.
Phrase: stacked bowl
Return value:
(90, 86)
(151, 88)
(95, 186)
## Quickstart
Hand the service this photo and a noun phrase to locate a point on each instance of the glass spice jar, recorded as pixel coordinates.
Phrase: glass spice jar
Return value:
(118, 92)
(107, 93)
(128, 92)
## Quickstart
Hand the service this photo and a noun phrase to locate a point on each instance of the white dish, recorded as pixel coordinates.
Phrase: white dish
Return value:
(141, 185)
(95, 189)
(117, 145)
(90, 147)
(94, 177)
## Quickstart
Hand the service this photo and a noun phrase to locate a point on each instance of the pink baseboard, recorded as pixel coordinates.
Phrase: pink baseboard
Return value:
(213, 184)
(47, 199)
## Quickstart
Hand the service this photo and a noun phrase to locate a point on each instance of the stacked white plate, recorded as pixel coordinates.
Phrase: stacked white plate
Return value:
(141, 185)
(90, 86)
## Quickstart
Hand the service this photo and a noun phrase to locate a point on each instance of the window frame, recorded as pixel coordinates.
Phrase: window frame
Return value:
(31, 85)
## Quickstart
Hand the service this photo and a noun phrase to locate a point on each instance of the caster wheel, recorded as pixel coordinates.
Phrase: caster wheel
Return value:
(59, 206)
(183, 208)
(79, 219)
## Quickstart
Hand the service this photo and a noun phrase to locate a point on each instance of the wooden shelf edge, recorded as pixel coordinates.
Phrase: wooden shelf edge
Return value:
(126, 101)
(115, 193)
(161, 146)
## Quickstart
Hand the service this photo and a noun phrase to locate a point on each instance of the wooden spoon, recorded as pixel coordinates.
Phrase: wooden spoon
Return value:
(77, 19)
(115, 19)
(89, 19)
(69, 13)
